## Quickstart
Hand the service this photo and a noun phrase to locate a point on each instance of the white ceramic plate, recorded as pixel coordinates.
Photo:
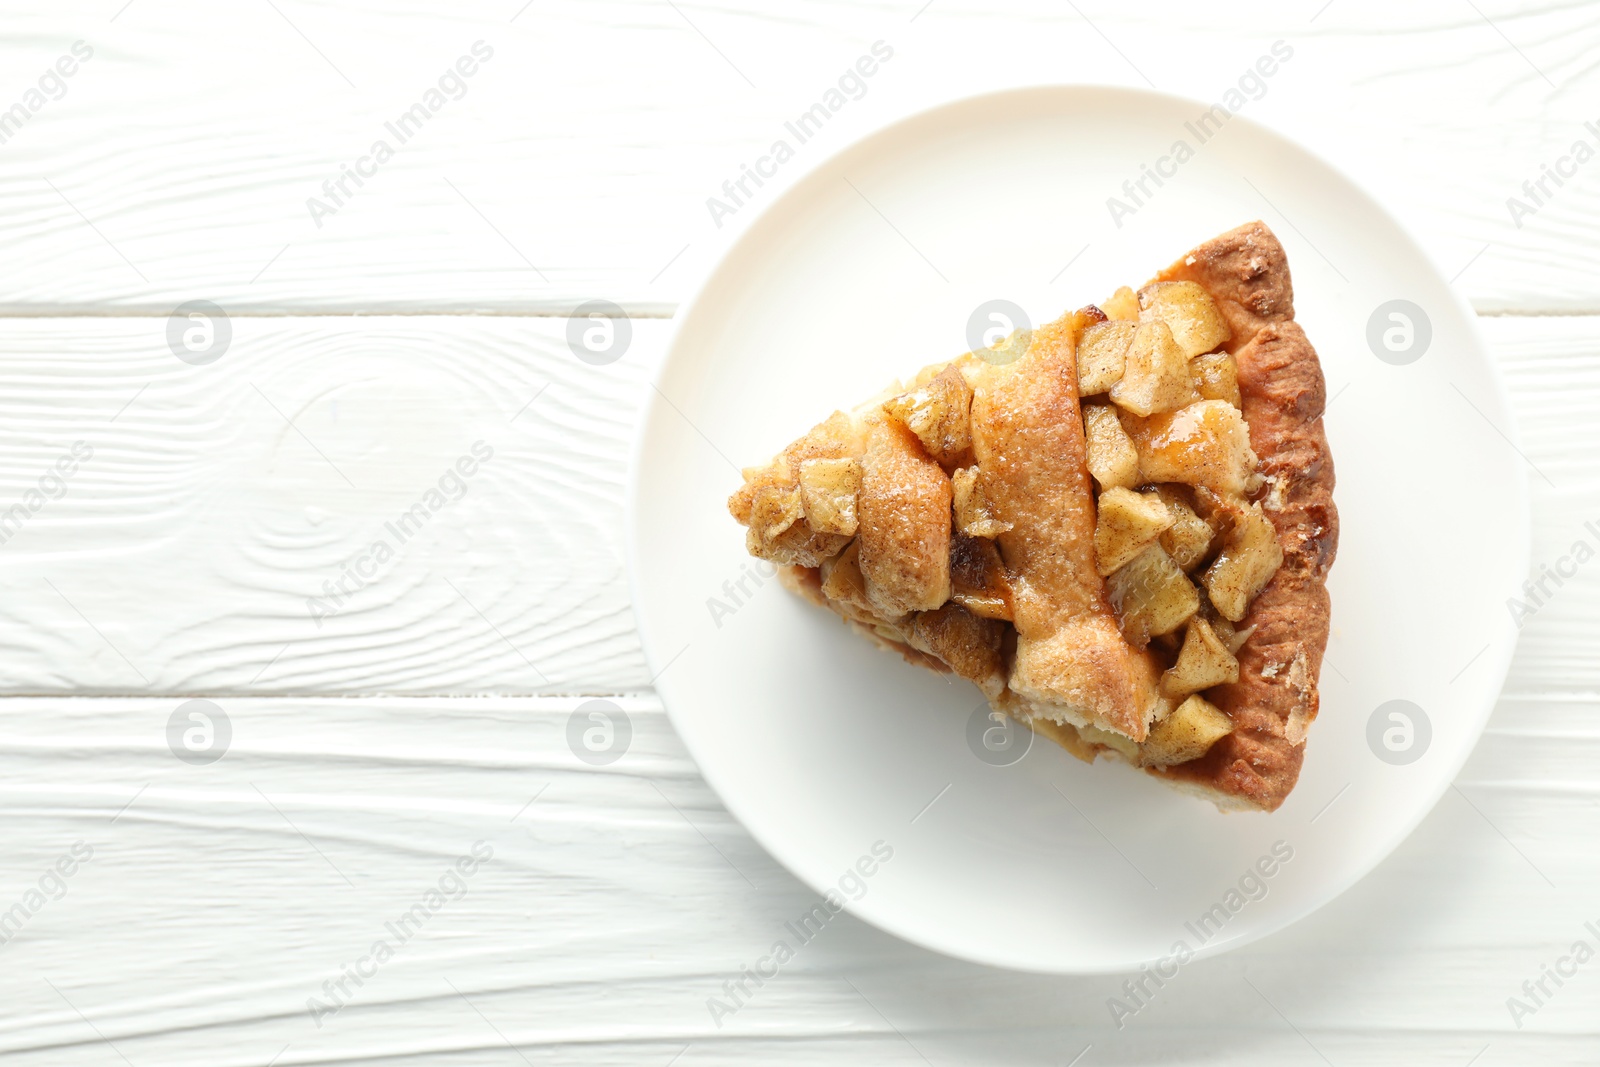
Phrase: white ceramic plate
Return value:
(868, 268)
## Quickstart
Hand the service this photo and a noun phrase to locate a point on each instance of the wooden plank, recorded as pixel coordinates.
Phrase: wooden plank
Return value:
(180, 164)
(189, 554)
(220, 898)
(293, 516)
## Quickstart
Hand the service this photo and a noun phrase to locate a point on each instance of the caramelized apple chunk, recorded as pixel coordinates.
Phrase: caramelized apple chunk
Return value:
(1155, 377)
(771, 503)
(1111, 459)
(971, 506)
(1102, 355)
(1189, 312)
(939, 414)
(1187, 733)
(828, 489)
(1216, 377)
(1188, 539)
(1203, 662)
(1249, 558)
(774, 509)
(1125, 524)
(1206, 444)
(1151, 596)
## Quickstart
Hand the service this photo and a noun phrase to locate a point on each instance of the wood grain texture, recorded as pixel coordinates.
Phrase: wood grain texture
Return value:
(196, 549)
(219, 899)
(181, 159)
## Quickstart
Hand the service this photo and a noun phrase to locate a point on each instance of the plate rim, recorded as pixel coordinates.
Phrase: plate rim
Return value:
(729, 243)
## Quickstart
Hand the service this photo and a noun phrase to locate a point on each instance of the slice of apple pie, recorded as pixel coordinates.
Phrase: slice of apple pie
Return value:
(1121, 537)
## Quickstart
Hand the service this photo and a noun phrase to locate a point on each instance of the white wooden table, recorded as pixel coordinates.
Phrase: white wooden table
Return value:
(213, 913)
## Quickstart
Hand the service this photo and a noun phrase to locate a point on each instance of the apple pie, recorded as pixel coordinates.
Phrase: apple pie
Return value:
(1121, 537)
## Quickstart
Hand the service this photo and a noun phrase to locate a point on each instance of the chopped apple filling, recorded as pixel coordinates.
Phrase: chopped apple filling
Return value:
(938, 412)
(1102, 356)
(1112, 459)
(971, 507)
(828, 489)
(1187, 733)
(1206, 443)
(1188, 539)
(1249, 558)
(1155, 377)
(1125, 524)
(1188, 311)
(1203, 662)
(1151, 595)
(1215, 377)
(1182, 548)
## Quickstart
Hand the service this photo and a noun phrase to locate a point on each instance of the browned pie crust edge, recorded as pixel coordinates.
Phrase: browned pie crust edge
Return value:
(1281, 384)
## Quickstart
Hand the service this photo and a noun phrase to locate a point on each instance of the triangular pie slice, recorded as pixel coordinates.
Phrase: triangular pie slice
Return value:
(1121, 536)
